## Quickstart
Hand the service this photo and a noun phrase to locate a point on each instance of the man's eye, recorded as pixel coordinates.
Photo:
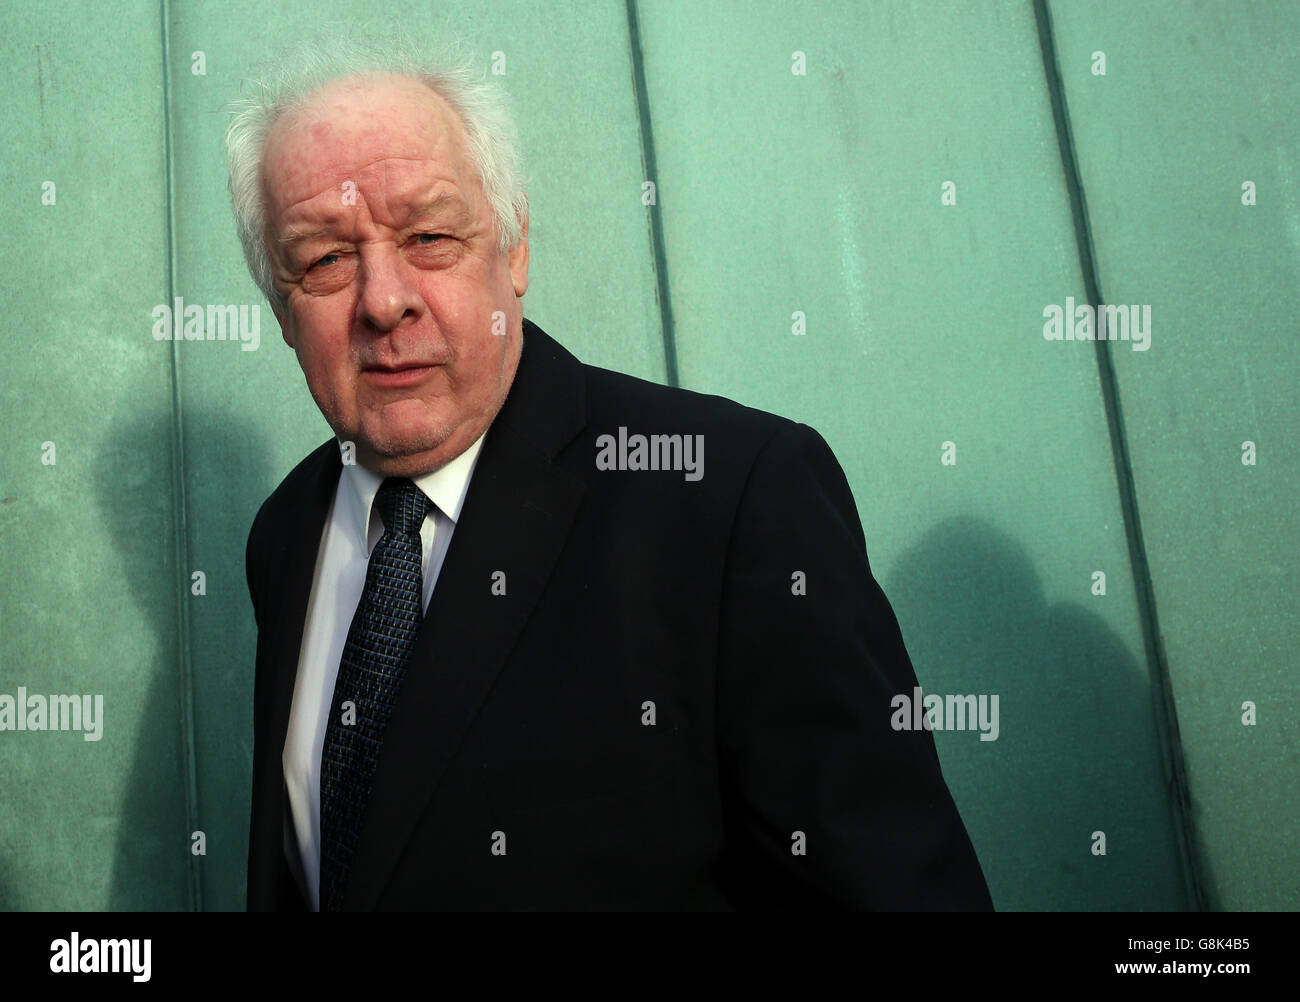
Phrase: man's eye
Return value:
(327, 260)
(431, 237)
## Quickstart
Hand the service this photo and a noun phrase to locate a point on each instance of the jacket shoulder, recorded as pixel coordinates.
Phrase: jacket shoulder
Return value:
(649, 407)
(287, 497)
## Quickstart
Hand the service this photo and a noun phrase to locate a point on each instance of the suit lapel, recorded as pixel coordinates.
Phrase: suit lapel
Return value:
(516, 518)
(291, 564)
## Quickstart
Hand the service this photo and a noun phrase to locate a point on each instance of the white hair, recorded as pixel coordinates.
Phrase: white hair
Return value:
(482, 107)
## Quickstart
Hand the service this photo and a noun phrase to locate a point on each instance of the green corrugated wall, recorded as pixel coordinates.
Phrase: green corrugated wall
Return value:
(778, 193)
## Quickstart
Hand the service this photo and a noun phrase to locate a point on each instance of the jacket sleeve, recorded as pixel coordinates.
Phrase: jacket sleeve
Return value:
(810, 657)
(273, 889)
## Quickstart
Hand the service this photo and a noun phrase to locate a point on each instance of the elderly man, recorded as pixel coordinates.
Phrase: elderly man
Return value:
(533, 634)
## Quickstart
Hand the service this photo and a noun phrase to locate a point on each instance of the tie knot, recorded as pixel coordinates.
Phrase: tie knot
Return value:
(401, 505)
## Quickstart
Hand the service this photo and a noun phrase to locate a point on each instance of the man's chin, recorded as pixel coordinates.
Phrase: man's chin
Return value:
(406, 455)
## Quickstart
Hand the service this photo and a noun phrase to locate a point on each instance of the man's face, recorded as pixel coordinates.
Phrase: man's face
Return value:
(385, 249)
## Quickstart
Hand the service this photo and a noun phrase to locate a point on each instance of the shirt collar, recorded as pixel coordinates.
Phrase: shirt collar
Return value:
(445, 487)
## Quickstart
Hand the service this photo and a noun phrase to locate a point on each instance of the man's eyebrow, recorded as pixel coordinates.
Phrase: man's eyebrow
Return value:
(419, 210)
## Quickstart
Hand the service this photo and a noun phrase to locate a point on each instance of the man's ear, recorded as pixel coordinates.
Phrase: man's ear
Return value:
(519, 260)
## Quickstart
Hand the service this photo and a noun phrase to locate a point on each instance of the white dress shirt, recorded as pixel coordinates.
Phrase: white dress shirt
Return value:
(352, 529)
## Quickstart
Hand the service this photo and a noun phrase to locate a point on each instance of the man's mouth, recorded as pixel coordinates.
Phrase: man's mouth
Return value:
(400, 375)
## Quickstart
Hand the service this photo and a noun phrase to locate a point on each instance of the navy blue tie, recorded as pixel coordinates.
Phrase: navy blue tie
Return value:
(378, 646)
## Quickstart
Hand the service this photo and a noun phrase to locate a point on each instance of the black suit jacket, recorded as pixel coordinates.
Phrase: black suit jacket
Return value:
(650, 714)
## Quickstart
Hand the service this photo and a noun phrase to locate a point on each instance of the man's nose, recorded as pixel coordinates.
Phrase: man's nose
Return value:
(387, 292)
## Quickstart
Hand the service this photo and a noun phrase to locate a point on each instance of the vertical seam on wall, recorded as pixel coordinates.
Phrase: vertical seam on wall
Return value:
(652, 174)
(180, 503)
(1165, 707)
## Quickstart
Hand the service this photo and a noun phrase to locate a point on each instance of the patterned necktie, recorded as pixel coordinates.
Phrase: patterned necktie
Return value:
(378, 646)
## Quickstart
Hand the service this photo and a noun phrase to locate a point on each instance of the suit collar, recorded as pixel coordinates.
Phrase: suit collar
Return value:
(547, 404)
(445, 487)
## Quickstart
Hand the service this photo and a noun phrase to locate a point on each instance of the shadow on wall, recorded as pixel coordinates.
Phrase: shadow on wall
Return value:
(1077, 750)
(152, 857)
(9, 901)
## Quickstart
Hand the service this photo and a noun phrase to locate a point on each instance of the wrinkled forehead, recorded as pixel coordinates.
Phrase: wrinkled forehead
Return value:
(367, 130)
